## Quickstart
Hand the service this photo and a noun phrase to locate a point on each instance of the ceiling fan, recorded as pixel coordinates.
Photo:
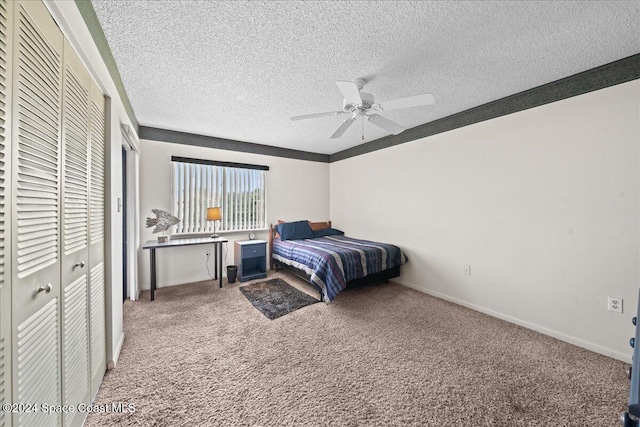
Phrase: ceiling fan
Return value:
(357, 103)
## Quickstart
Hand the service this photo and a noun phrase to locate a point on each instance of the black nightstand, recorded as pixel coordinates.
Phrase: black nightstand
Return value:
(251, 257)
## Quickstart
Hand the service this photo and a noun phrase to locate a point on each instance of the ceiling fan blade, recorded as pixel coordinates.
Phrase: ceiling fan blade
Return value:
(411, 101)
(385, 124)
(312, 116)
(343, 127)
(350, 92)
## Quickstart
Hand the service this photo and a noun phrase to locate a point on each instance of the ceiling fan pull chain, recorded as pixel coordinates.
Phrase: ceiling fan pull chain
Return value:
(362, 127)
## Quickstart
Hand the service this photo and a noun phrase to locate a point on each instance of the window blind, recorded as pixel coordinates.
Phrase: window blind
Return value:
(240, 192)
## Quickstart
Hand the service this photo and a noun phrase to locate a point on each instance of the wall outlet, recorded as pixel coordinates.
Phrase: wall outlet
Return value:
(467, 270)
(614, 304)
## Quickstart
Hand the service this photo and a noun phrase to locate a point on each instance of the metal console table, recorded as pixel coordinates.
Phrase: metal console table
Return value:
(153, 245)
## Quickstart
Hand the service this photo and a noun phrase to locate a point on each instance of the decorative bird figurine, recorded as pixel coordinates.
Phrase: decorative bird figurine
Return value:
(163, 220)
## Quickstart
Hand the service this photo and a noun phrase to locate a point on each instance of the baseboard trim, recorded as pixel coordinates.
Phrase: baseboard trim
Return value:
(533, 326)
(116, 355)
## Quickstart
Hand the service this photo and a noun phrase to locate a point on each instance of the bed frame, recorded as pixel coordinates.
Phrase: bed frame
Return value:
(371, 279)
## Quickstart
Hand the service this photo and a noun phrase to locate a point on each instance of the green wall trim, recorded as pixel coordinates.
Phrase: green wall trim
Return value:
(611, 74)
(91, 19)
(164, 135)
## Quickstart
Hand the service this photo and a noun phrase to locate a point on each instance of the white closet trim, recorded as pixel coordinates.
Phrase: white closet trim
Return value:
(131, 144)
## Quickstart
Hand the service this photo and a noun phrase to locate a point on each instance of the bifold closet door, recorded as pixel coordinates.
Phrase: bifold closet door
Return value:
(6, 26)
(52, 179)
(74, 236)
(36, 199)
(97, 298)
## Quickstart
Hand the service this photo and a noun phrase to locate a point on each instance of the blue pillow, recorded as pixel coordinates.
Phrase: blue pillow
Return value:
(295, 230)
(327, 232)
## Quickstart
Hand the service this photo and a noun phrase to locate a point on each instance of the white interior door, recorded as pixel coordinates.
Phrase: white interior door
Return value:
(75, 234)
(37, 92)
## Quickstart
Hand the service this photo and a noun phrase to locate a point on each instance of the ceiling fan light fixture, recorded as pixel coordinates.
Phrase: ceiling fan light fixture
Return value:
(363, 104)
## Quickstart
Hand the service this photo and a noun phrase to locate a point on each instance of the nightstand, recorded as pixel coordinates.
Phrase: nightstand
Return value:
(251, 257)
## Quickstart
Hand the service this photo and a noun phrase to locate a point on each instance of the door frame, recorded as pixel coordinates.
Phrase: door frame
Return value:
(131, 209)
(125, 236)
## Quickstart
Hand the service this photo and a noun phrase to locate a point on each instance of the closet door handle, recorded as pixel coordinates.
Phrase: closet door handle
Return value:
(46, 289)
(78, 264)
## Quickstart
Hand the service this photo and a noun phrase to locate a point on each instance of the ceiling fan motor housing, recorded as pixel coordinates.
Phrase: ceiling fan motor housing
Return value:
(367, 102)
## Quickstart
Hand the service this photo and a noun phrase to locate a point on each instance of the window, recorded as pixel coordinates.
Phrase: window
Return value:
(238, 189)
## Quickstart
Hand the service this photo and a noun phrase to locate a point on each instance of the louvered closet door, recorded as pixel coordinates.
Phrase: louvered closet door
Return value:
(6, 10)
(37, 100)
(97, 319)
(74, 236)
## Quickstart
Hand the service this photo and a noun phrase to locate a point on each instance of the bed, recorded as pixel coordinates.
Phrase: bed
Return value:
(331, 261)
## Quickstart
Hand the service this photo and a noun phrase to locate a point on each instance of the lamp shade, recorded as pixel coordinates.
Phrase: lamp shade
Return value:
(214, 214)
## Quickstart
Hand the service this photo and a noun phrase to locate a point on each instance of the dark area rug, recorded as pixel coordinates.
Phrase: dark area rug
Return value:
(275, 298)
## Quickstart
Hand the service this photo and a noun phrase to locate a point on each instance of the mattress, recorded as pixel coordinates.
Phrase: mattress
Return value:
(333, 261)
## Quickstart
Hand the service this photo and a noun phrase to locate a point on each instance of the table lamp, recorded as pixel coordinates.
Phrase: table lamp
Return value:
(214, 214)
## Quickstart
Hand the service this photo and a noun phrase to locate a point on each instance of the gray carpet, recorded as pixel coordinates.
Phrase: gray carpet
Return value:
(275, 298)
(383, 355)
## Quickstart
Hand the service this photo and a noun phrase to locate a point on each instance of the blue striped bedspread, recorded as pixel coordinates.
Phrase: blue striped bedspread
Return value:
(332, 261)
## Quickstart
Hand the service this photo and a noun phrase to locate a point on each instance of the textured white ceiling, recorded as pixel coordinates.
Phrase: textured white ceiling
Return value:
(240, 70)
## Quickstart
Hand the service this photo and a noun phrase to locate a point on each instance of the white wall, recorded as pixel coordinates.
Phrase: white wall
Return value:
(296, 189)
(543, 204)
